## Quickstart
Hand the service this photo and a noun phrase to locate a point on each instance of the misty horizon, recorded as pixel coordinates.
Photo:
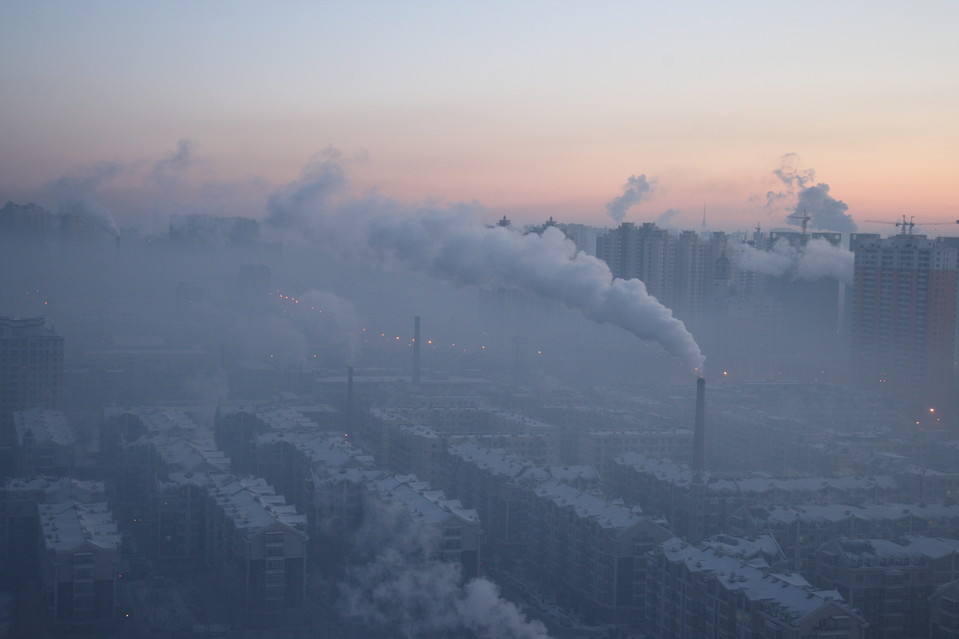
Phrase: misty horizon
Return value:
(478, 321)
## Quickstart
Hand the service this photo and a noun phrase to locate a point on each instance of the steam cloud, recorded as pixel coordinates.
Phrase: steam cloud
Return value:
(817, 259)
(812, 199)
(77, 195)
(451, 246)
(666, 218)
(636, 189)
(395, 585)
(167, 171)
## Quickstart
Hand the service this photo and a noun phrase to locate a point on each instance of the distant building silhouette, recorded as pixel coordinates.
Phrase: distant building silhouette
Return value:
(33, 222)
(31, 376)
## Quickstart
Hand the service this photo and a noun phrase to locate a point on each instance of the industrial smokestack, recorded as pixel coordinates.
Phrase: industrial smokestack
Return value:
(349, 400)
(416, 349)
(699, 428)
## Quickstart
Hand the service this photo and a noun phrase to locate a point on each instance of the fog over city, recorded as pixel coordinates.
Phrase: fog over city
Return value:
(478, 321)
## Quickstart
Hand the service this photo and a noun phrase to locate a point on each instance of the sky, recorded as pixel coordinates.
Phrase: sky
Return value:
(529, 109)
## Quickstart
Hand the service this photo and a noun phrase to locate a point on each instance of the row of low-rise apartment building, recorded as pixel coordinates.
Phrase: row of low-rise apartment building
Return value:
(239, 528)
(80, 562)
(565, 531)
(615, 562)
(60, 533)
(19, 519)
(334, 483)
(719, 591)
(699, 504)
(175, 490)
(593, 547)
(406, 444)
(258, 541)
(890, 581)
(761, 443)
(801, 529)
(45, 443)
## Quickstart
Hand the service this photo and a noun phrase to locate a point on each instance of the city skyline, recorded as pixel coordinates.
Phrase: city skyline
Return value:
(544, 110)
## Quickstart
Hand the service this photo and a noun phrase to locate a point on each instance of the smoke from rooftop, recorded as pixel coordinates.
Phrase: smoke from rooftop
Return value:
(636, 189)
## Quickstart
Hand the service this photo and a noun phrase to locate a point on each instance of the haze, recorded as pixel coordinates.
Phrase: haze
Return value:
(479, 320)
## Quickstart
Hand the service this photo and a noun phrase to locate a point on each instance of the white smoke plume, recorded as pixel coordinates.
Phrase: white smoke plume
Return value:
(636, 189)
(452, 246)
(209, 389)
(825, 211)
(811, 198)
(396, 587)
(817, 259)
(666, 217)
(321, 180)
(167, 171)
(77, 195)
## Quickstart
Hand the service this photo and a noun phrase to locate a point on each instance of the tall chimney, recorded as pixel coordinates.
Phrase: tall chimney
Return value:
(416, 349)
(349, 400)
(699, 428)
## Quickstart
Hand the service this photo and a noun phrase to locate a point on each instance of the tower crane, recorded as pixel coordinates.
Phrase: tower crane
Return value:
(907, 226)
(803, 218)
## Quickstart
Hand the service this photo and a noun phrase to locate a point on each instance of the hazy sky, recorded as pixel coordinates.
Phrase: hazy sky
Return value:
(531, 108)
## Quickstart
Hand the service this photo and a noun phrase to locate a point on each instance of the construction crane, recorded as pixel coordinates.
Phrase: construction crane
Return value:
(804, 218)
(906, 226)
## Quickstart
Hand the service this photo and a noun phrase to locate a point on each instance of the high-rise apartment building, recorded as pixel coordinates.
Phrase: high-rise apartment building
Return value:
(31, 375)
(904, 318)
(680, 270)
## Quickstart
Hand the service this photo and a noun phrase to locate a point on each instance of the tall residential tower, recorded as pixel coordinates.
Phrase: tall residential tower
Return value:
(904, 318)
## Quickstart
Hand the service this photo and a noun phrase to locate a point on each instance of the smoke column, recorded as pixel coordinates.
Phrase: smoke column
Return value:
(812, 198)
(393, 584)
(819, 258)
(451, 246)
(636, 189)
(77, 195)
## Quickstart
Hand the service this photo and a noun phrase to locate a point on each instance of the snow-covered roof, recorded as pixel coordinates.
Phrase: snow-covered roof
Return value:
(496, 461)
(416, 497)
(609, 514)
(897, 551)
(679, 475)
(43, 426)
(199, 452)
(252, 504)
(324, 449)
(68, 525)
(787, 596)
(52, 489)
(775, 516)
